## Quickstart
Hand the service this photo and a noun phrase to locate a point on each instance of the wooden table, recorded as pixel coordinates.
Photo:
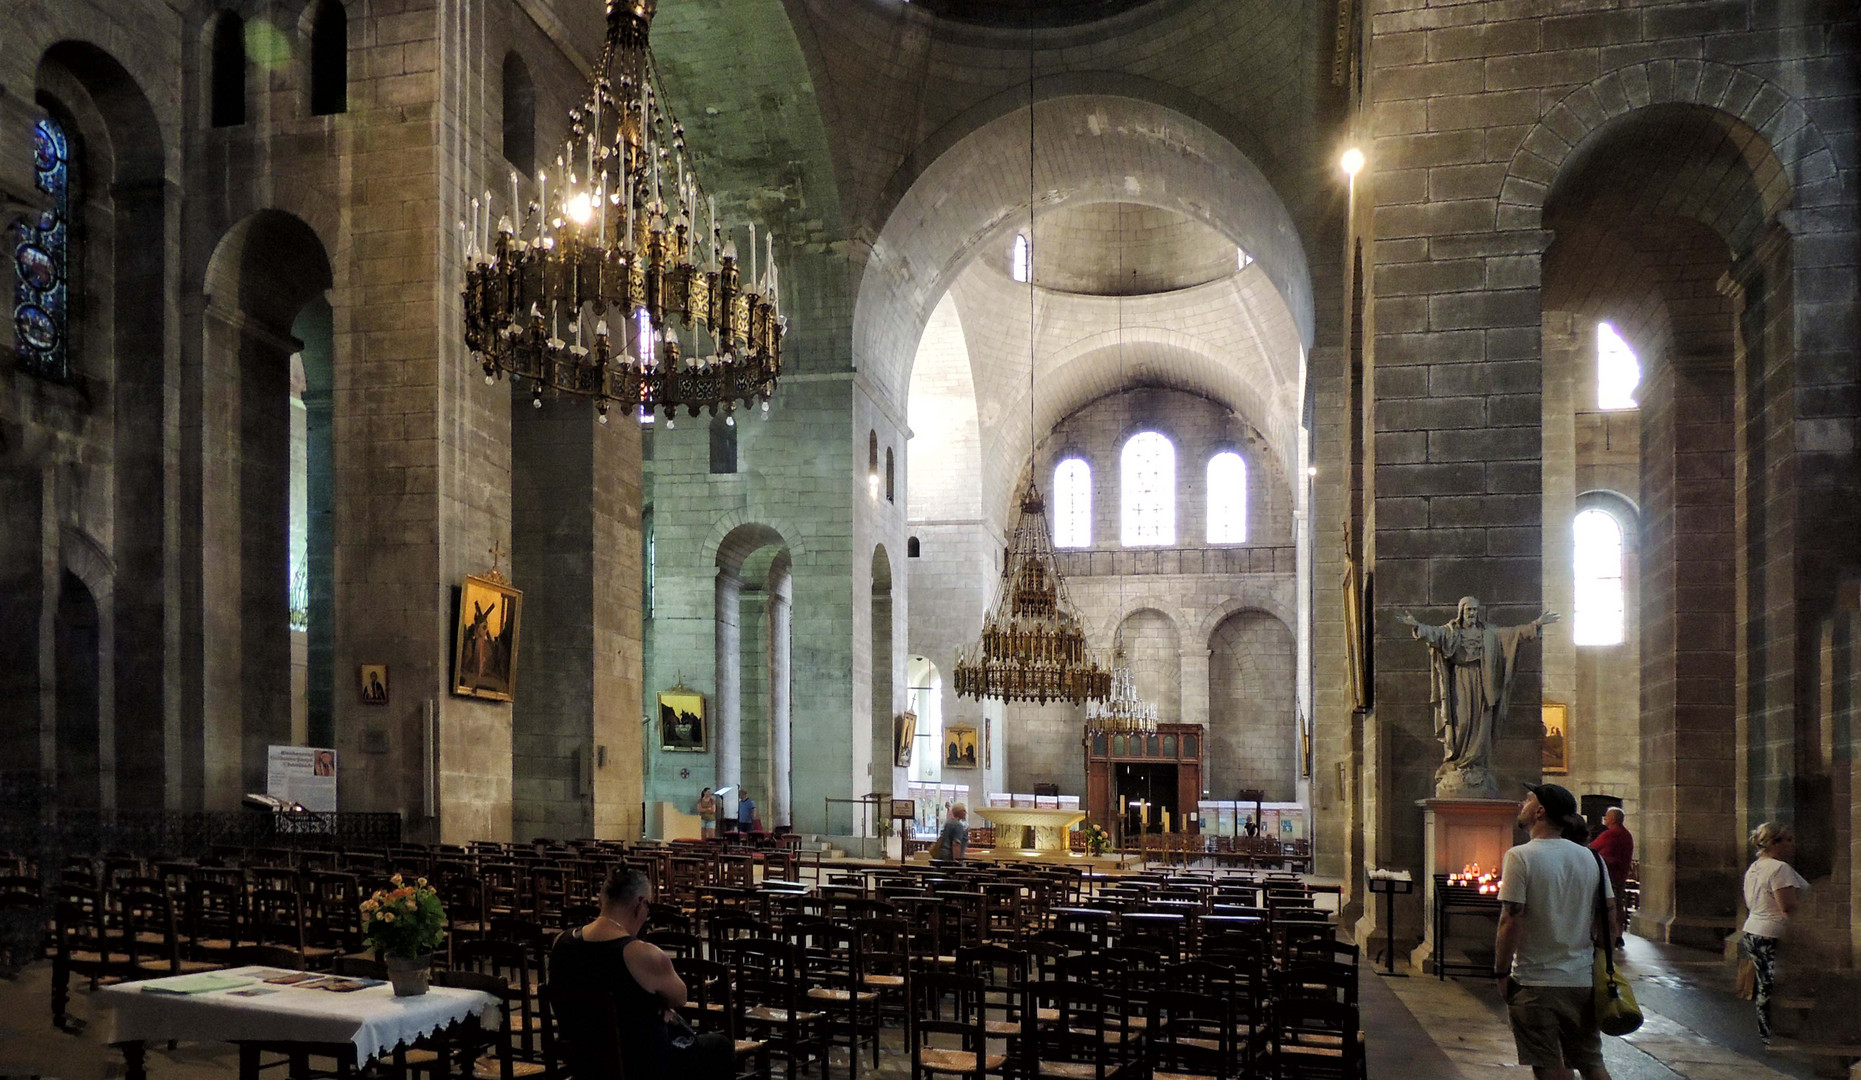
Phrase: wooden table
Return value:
(353, 1027)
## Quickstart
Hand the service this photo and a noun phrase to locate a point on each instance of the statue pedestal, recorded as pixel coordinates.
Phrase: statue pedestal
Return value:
(1456, 832)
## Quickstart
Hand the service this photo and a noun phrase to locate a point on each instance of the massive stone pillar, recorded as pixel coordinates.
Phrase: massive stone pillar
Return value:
(781, 685)
(729, 696)
(1690, 857)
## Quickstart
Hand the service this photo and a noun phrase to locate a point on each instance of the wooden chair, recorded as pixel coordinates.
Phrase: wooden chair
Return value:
(1085, 1040)
(945, 1009)
(852, 1008)
(1316, 1039)
(493, 1055)
(775, 1006)
(80, 946)
(712, 1006)
(151, 938)
(584, 1035)
(215, 911)
(1195, 1036)
(516, 969)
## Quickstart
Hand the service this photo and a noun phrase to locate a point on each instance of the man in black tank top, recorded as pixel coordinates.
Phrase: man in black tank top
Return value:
(607, 956)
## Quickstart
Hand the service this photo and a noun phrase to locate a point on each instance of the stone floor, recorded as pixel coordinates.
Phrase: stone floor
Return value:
(1419, 1028)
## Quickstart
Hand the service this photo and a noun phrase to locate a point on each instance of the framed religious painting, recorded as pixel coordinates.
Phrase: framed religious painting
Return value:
(959, 747)
(485, 651)
(1555, 757)
(904, 734)
(681, 721)
(372, 681)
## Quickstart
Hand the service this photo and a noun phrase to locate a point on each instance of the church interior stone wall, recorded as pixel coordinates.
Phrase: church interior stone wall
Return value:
(1406, 359)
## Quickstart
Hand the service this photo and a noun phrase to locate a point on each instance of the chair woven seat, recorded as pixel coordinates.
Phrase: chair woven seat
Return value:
(958, 1061)
(779, 1016)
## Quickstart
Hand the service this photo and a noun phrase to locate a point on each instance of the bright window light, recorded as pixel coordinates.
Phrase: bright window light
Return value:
(1600, 595)
(1021, 260)
(1147, 476)
(1242, 259)
(1227, 499)
(1618, 372)
(1072, 504)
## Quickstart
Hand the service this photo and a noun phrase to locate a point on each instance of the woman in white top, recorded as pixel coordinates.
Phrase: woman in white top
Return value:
(1772, 890)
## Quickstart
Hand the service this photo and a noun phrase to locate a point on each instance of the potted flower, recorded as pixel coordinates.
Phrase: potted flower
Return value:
(1098, 841)
(405, 924)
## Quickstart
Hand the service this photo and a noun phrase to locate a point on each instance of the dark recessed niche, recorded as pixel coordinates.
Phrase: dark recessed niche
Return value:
(1019, 14)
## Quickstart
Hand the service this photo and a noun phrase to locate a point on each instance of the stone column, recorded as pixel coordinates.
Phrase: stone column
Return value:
(781, 718)
(1195, 695)
(1562, 352)
(728, 703)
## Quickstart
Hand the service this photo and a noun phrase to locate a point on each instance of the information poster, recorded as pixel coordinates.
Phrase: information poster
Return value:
(305, 775)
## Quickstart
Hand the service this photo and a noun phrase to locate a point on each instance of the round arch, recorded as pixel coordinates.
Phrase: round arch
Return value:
(1096, 148)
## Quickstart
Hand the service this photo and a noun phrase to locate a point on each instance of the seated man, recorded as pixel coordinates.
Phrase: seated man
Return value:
(607, 956)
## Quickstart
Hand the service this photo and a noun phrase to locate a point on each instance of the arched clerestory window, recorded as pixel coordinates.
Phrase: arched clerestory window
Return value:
(891, 484)
(1601, 593)
(42, 261)
(227, 77)
(1072, 504)
(329, 59)
(1147, 479)
(1021, 258)
(1227, 498)
(519, 115)
(1618, 371)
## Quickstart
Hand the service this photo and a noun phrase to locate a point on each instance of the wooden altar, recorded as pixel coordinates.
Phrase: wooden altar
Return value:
(1175, 749)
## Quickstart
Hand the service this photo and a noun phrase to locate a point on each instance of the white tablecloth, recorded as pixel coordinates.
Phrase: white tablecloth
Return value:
(373, 1019)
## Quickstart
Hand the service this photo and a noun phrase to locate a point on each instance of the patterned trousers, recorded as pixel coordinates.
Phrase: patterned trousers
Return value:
(1763, 953)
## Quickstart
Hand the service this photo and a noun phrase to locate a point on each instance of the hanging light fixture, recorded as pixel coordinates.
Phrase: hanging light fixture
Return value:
(1124, 712)
(1033, 647)
(614, 232)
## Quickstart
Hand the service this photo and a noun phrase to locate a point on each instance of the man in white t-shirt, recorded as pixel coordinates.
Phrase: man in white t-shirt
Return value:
(1547, 938)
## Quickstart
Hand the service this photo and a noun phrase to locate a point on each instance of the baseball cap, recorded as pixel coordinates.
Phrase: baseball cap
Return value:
(1556, 799)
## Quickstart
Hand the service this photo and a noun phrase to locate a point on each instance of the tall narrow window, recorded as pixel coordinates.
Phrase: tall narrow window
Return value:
(1227, 499)
(872, 464)
(228, 77)
(42, 293)
(1021, 258)
(1618, 372)
(1147, 475)
(519, 115)
(1600, 594)
(1072, 504)
(890, 479)
(329, 59)
(723, 445)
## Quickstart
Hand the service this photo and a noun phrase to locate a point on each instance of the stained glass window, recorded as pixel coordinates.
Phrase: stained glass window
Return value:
(41, 295)
(1072, 504)
(1148, 478)
(1600, 594)
(1227, 499)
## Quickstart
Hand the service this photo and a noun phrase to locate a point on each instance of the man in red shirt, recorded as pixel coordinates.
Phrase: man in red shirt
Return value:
(1616, 845)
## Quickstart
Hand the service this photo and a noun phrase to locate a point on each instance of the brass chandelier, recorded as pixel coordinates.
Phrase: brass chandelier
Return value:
(1124, 712)
(1032, 647)
(614, 231)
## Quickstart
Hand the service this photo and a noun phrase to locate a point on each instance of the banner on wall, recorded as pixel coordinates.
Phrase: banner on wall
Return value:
(305, 775)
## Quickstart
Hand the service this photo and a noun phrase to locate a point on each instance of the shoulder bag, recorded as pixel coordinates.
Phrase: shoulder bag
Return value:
(1616, 1011)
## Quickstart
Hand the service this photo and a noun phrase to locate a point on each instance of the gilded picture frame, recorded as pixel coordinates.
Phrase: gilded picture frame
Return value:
(959, 747)
(1554, 759)
(682, 727)
(485, 650)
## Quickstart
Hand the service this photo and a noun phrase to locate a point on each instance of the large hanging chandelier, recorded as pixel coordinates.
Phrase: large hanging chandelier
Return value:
(1033, 647)
(614, 232)
(1124, 712)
